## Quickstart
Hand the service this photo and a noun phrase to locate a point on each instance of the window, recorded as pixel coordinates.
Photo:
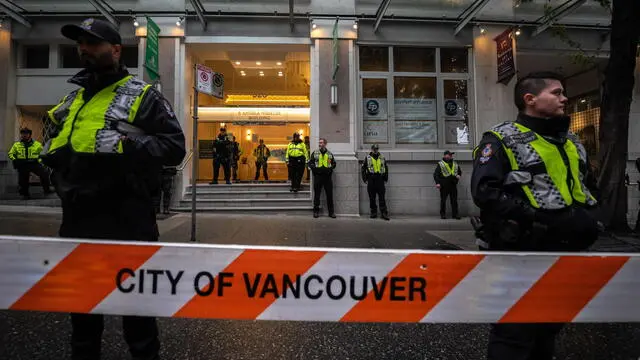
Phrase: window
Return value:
(130, 56)
(35, 57)
(418, 95)
(69, 58)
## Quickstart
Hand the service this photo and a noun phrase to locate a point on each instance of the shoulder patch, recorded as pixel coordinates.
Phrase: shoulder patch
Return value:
(487, 152)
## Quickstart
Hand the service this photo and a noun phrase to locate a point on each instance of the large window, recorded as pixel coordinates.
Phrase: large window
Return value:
(69, 58)
(35, 57)
(415, 97)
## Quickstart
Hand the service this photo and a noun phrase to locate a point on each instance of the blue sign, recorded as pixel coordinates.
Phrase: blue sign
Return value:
(451, 107)
(373, 107)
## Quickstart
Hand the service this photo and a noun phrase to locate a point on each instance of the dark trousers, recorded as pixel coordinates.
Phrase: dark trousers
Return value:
(226, 166)
(322, 181)
(166, 192)
(140, 333)
(375, 187)
(522, 341)
(451, 191)
(263, 165)
(234, 172)
(25, 170)
(296, 171)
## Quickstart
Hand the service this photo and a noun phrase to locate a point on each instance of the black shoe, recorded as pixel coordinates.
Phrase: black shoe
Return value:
(296, 190)
(443, 216)
(373, 215)
(26, 197)
(457, 217)
(291, 190)
(385, 216)
(316, 214)
(228, 182)
(332, 215)
(214, 183)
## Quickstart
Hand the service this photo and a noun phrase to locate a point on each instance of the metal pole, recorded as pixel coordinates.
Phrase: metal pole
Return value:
(194, 159)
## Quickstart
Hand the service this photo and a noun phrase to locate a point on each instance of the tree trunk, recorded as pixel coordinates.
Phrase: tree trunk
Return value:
(614, 116)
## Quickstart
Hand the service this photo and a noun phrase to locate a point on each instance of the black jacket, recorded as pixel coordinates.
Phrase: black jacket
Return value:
(222, 147)
(441, 179)
(574, 228)
(109, 195)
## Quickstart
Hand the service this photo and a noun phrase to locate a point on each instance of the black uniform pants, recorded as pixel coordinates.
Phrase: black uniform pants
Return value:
(375, 187)
(263, 165)
(25, 170)
(166, 192)
(296, 171)
(140, 333)
(226, 166)
(234, 168)
(322, 181)
(522, 341)
(451, 191)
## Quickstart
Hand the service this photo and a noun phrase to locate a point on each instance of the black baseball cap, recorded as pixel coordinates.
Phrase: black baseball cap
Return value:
(448, 152)
(374, 146)
(99, 29)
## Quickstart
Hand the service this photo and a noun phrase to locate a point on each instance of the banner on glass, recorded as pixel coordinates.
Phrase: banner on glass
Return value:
(375, 132)
(416, 132)
(415, 109)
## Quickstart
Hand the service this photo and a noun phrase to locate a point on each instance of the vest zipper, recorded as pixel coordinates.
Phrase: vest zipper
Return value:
(565, 159)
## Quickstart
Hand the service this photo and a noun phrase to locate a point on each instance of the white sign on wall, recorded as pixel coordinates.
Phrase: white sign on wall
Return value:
(375, 132)
(204, 79)
(416, 132)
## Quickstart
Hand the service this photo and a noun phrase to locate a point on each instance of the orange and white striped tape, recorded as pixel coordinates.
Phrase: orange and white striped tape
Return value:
(309, 284)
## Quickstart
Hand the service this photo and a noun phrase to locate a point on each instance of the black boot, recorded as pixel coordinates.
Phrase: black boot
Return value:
(373, 215)
(385, 215)
(316, 213)
(332, 215)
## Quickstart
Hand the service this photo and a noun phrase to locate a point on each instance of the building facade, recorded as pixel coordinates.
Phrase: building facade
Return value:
(411, 76)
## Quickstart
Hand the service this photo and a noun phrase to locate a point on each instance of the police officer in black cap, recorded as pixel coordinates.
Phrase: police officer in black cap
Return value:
(375, 173)
(446, 175)
(113, 136)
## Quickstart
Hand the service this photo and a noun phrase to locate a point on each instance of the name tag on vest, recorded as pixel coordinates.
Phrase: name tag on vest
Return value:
(523, 138)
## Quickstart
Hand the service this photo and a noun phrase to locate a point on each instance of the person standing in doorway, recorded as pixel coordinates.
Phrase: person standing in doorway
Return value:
(236, 151)
(446, 175)
(165, 192)
(25, 155)
(222, 157)
(307, 143)
(113, 135)
(262, 154)
(296, 156)
(375, 173)
(322, 163)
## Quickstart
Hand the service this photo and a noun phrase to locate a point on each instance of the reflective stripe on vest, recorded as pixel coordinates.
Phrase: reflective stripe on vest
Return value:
(91, 127)
(296, 150)
(19, 151)
(376, 166)
(538, 166)
(448, 170)
(322, 160)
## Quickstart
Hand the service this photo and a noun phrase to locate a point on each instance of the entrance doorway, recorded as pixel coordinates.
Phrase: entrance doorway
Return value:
(266, 97)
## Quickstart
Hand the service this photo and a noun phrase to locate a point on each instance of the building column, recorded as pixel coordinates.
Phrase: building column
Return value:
(8, 132)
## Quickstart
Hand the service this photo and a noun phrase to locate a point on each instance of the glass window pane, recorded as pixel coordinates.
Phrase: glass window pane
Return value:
(413, 59)
(454, 60)
(374, 58)
(415, 110)
(375, 115)
(69, 58)
(35, 57)
(456, 110)
(129, 56)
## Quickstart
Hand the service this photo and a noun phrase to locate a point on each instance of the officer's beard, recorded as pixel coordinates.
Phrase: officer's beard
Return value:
(99, 64)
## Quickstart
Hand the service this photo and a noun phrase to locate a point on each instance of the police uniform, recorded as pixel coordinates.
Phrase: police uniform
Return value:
(112, 137)
(25, 156)
(297, 156)
(236, 157)
(322, 165)
(446, 175)
(165, 192)
(532, 182)
(262, 154)
(222, 157)
(375, 173)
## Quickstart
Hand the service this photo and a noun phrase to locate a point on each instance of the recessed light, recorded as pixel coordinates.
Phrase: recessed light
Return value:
(258, 63)
(279, 63)
(280, 74)
(261, 74)
(237, 62)
(355, 26)
(243, 74)
(314, 26)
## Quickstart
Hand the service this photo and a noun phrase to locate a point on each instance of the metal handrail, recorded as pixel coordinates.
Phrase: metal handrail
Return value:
(185, 161)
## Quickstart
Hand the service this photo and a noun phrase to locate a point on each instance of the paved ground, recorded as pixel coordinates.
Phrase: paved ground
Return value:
(40, 336)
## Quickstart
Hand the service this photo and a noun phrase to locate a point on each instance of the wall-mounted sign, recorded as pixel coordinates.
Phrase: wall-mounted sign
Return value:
(375, 132)
(416, 132)
(233, 114)
(506, 64)
(415, 109)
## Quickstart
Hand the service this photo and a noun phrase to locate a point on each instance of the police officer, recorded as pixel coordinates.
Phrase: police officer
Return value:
(375, 174)
(236, 151)
(322, 163)
(222, 147)
(307, 143)
(114, 134)
(25, 155)
(297, 156)
(165, 192)
(262, 154)
(531, 181)
(446, 175)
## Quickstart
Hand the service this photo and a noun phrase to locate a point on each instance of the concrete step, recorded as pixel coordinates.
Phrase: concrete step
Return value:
(268, 203)
(283, 210)
(232, 193)
(247, 187)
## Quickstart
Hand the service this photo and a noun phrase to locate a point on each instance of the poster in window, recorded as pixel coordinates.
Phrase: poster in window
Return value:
(375, 132)
(416, 132)
(374, 109)
(454, 128)
(415, 109)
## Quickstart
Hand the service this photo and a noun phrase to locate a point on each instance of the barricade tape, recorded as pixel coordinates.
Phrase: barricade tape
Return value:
(314, 284)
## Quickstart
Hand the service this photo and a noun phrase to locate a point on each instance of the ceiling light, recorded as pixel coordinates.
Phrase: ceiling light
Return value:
(279, 63)
(518, 32)
(355, 26)
(482, 30)
(237, 62)
(179, 22)
(280, 74)
(135, 22)
(314, 26)
(243, 74)
(583, 101)
(261, 74)
(258, 63)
